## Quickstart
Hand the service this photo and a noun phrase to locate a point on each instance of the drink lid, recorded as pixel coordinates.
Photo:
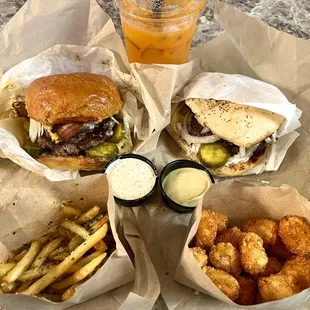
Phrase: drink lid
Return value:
(162, 8)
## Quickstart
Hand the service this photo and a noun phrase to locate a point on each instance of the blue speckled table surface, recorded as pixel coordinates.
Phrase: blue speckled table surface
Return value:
(291, 16)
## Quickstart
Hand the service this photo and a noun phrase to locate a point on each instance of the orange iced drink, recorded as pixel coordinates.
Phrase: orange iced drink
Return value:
(159, 31)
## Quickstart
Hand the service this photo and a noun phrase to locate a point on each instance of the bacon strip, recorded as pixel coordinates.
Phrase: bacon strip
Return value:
(68, 131)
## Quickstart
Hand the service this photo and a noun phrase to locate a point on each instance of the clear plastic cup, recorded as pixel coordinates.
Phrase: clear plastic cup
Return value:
(159, 31)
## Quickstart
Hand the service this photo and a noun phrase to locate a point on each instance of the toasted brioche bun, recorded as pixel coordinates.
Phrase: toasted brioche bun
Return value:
(73, 162)
(233, 170)
(76, 97)
(240, 124)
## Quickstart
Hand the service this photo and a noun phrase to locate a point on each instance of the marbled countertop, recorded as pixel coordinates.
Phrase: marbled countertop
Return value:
(291, 16)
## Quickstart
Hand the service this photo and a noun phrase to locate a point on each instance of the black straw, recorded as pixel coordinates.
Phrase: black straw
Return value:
(157, 7)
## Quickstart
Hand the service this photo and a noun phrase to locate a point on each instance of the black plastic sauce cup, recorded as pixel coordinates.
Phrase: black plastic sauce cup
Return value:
(174, 165)
(138, 201)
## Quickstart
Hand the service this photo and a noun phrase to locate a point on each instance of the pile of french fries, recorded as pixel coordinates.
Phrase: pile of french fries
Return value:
(55, 264)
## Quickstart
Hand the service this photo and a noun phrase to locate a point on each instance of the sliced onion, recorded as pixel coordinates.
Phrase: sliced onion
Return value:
(35, 130)
(205, 130)
(193, 139)
(242, 151)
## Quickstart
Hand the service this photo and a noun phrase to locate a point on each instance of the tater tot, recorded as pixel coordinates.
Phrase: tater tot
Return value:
(266, 229)
(232, 235)
(200, 256)
(207, 229)
(226, 257)
(277, 286)
(247, 291)
(253, 256)
(273, 266)
(299, 268)
(295, 234)
(221, 220)
(279, 251)
(224, 281)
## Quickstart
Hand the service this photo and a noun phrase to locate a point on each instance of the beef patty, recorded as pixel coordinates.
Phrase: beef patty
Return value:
(78, 139)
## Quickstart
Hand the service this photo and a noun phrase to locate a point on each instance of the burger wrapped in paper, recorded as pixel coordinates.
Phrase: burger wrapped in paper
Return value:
(75, 121)
(228, 138)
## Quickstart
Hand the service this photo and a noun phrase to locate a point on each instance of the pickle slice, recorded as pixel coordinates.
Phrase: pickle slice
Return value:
(106, 149)
(32, 149)
(119, 133)
(213, 155)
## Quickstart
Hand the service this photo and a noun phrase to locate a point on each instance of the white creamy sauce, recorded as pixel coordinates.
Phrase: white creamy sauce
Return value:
(131, 178)
(186, 186)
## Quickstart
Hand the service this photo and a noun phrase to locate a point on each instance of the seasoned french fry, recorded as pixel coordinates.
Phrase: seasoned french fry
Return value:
(8, 288)
(61, 268)
(70, 291)
(51, 297)
(24, 286)
(84, 261)
(99, 224)
(88, 216)
(74, 268)
(64, 233)
(58, 251)
(5, 268)
(100, 246)
(48, 249)
(75, 242)
(35, 273)
(19, 256)
(70, 211)
(60, 256)
(24, 263)
(44, 239)
(80, 274)
(75, 228)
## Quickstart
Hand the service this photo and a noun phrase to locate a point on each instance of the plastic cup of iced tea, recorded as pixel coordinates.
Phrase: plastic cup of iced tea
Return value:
(159, 31)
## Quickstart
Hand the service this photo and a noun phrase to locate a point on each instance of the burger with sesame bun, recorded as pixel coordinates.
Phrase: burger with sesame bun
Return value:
(228, 138)
(75, 121)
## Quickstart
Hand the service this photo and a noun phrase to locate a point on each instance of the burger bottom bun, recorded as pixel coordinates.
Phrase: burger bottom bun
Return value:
(73, 162)
(225, 171)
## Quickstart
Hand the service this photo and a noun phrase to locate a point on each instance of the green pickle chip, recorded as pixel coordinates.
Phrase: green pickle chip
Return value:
(32, 149)
(106, 149)
(213, 155)
(119, 133)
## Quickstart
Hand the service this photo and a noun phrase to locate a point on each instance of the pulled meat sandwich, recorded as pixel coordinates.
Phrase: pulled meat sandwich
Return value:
(228, 138)
(75, 121)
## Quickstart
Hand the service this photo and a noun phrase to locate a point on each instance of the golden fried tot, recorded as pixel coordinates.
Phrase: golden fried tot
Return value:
(232, 235)
(273, 266)
(279, 251)
(266, 229)
(224, 281)
(247, 291)
(222, 222)
(299, 268)
(226, 257)
(295, 234)
(258, 298)
(210, 224)
(253, 256)
(277, 286)
(200, 256)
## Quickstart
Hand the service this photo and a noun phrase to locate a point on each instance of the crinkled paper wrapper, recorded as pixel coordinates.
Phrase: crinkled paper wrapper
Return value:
(30, 209)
